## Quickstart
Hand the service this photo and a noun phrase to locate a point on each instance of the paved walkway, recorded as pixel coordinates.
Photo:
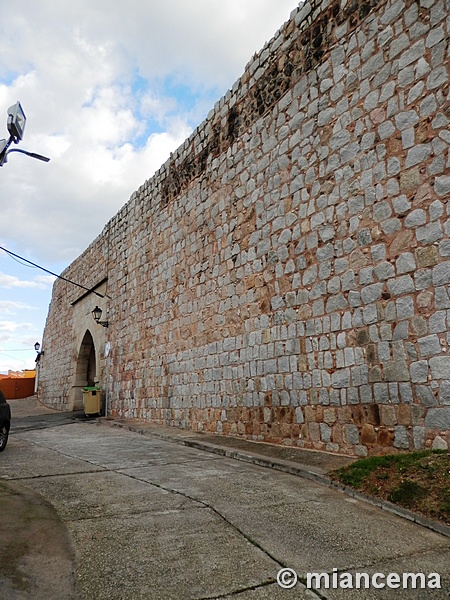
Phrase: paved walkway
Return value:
(37, 558)
(311, 461)
(37, 549)
(311, 464)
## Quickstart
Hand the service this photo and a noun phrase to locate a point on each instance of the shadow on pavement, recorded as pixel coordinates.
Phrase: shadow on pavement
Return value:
(37, 559)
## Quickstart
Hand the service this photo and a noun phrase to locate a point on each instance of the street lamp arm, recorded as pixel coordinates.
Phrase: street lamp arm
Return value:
(32, 154)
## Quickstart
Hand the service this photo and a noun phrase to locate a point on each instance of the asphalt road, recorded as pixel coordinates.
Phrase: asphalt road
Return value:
(151, 519)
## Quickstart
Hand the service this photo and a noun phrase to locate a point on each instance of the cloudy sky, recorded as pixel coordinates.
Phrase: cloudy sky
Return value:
(109, 89)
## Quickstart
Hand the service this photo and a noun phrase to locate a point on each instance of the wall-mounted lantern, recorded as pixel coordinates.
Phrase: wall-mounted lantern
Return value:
(39, 353)
(97, 314)
(37, 347)
(16, 125)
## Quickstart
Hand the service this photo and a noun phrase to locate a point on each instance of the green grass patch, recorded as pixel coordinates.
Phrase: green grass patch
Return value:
(407, 493)
(355, 474)
(419, 481)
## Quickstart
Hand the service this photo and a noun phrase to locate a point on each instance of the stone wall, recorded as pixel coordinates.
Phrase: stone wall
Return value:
(285, 275)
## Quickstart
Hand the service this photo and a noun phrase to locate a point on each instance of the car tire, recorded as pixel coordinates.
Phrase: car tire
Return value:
(4, 432)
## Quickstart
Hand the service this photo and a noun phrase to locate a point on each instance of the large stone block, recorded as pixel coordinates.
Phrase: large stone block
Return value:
(401, 438)
(438, 418)
(396, 370)
(351, 434)
(368, 435)
(388, 416)
(440, 367)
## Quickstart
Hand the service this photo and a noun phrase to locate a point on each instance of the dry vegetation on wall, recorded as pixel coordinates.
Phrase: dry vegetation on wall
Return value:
(302, 55)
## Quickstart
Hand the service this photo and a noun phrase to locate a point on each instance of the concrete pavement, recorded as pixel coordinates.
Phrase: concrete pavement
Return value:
(37, 557)
(152, 519)
(314, 465)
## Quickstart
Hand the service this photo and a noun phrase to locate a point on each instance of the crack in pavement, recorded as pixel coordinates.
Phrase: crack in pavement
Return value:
(250, 588)
(124, 471)
(236, 529)
(214, 510)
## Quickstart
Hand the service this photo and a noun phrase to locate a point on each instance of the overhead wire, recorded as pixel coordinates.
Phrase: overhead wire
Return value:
(16, 256)
(20, 262)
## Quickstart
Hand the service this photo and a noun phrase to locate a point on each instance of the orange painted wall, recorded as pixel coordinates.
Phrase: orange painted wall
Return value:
(17, 387)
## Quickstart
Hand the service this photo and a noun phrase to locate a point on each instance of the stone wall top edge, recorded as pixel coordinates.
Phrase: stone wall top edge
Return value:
(80, 260)
(259, 59)
(301, 17)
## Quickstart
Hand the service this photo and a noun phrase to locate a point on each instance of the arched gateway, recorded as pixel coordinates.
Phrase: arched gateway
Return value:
(85, 371)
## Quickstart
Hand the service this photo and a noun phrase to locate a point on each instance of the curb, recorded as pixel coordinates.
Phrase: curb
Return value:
(300, 470)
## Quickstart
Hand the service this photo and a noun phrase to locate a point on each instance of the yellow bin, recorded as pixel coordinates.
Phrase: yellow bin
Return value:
(92, 401)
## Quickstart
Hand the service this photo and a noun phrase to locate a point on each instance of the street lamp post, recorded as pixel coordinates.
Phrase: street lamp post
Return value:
(16, 125)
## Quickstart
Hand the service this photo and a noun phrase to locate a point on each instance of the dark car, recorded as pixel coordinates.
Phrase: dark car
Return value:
(5, 421)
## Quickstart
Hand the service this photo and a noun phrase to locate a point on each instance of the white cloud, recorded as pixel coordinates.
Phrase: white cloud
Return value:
(109, 89)
(11, 281)
(9, 362)
(46, 280)
(11, 307)
(9, 327)
(17, 345)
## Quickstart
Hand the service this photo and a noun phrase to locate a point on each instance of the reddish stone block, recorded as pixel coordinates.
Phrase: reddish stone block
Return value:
(368, 435)
(404, 414)
(385, 438)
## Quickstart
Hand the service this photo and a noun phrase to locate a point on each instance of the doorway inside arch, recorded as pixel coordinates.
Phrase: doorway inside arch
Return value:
(85, 371)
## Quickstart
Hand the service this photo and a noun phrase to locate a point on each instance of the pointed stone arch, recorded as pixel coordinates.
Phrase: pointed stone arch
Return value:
(85, 369)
